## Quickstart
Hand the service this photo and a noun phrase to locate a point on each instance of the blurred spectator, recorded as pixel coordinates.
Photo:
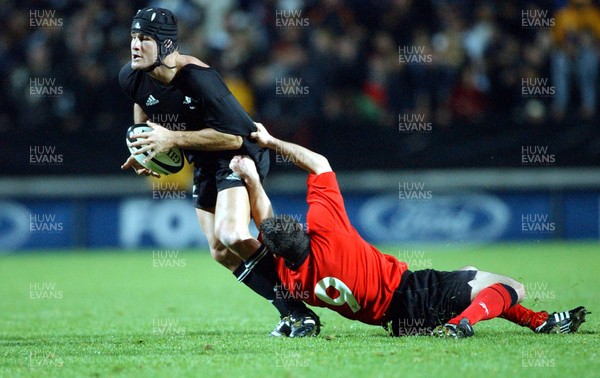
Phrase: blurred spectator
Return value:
(334, 75)
(468, 100)
(479, 36)
(576, 37)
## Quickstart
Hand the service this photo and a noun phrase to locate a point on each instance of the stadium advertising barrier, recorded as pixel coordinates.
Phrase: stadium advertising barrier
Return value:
(134, 221)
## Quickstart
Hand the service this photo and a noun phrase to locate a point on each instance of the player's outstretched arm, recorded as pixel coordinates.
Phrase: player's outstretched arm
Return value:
(259, 201)
(302, 157)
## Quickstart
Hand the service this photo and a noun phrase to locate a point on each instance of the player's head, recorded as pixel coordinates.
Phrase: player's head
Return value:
(285, 238)
(154, 33)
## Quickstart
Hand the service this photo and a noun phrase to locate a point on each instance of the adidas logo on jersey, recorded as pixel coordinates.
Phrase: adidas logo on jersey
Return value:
(233, 176)
(151, 101)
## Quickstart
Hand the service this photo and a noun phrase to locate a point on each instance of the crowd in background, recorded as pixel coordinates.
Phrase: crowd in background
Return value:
(471, 81)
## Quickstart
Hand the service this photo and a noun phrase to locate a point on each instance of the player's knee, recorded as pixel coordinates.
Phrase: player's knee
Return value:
(228, 234)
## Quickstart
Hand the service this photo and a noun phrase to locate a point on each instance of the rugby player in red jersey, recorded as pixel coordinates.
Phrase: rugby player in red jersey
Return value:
(339, 270)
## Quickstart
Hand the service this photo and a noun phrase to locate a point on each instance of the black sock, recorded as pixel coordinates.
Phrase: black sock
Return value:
(260, 275)
(514, 297)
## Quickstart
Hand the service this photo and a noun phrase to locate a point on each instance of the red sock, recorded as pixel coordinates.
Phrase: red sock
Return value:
(525, 317)
(489, 303)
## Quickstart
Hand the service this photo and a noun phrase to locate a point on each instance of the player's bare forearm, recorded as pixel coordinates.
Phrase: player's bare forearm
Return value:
(259, 202)
(302, 157)
(161, 139)
(207, 140)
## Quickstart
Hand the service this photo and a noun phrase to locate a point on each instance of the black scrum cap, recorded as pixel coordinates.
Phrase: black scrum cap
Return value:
(161, 25)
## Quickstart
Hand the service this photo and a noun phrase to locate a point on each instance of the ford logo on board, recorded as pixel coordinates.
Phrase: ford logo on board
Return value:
(451, 217)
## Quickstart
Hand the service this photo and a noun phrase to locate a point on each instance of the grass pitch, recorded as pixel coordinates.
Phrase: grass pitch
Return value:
(178, 313)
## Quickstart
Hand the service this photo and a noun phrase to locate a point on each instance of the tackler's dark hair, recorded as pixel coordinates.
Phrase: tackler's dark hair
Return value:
(286, 238)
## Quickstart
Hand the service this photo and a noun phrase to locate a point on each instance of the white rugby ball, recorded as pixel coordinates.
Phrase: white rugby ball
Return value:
(164, 163)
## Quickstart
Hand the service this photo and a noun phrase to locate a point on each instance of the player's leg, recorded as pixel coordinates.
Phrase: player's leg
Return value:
(491, 295)
(218, 251)
(483, 280)
(204, 194)
(233, 210)
(232, 217)
(494, 295)
(235, 264)
(538, 321)
(205, 199)
(542, 322)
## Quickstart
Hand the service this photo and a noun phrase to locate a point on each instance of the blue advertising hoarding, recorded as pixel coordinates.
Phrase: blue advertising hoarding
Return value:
(140, 222)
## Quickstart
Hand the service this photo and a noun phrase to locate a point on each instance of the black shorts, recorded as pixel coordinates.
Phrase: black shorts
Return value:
(208, 182)
(428, 298)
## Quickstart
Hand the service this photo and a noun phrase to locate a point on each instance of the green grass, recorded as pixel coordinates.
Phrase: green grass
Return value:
(101, 320)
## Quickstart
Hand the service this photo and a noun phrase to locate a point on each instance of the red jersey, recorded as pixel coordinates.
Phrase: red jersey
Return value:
(342, 271)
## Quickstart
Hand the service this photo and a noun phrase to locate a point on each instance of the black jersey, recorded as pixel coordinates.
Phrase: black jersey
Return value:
(195, 99)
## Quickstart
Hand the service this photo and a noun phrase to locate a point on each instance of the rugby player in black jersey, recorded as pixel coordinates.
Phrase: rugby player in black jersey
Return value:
(162, 83)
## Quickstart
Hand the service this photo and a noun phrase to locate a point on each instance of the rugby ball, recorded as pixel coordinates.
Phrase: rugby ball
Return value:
(163, 163)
